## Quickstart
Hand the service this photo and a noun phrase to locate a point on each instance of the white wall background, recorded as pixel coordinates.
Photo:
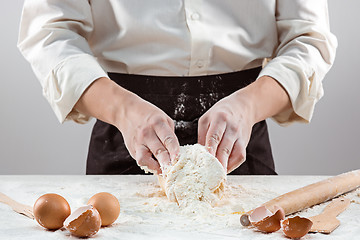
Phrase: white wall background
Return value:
(33, 142)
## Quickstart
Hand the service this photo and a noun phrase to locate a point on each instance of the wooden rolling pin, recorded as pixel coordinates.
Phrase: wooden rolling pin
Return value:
(312, 194)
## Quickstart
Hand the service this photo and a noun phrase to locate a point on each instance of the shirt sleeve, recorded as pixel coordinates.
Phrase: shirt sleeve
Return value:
(305, 53)
(53, 38)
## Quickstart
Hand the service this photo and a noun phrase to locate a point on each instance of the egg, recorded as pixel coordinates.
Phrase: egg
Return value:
(84, 222)
(107, 205)
(51, 210)
(265, 220)
(296, 227)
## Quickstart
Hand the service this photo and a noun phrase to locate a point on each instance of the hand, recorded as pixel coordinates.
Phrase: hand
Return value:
(225, 130)
(146, 129)
(148, 132)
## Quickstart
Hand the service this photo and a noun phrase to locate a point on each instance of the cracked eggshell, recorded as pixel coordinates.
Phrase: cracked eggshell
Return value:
(265, 220)
(51, 210)
(84, 222)
(107, 205)
(296, 227)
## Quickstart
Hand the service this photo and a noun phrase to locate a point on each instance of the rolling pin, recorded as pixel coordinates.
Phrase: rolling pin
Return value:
(311, 195)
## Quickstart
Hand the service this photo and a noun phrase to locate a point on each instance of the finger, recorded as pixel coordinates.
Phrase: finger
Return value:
(168, 138)
(157, 149)
(237, 156)
(144, 158)
(225, 147)
(171, 124)
(214, 136)
(203, 126)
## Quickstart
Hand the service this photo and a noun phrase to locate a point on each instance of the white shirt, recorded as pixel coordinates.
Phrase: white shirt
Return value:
(71, 43)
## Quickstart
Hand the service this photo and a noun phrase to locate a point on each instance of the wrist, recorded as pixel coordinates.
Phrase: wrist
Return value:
(246, 102)
(125, 102)
(104, 100)
(264, 98)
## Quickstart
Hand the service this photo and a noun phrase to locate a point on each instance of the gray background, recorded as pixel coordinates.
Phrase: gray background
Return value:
(32, 141)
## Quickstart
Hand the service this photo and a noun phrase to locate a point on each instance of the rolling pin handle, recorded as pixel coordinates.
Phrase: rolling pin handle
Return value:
(244, 220)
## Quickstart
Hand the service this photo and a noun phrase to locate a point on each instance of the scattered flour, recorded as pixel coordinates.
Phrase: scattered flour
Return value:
(180, 105)
(146, 212)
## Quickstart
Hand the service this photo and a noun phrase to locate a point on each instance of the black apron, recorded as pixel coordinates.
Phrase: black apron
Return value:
(185, 100)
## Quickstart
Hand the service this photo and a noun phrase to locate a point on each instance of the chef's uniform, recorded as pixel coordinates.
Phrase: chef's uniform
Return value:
(183, 56)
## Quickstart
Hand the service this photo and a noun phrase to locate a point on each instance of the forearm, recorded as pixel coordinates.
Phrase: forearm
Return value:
(147, 131)
(103, 99)
(225, 129)
(265, 98)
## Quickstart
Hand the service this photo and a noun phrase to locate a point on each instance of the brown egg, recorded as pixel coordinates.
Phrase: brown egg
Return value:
(107, 205)
(266, 221)
(296, 227)
(51, 210)
(84, 222)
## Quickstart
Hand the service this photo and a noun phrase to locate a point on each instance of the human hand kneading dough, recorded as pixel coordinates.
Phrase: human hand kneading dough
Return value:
(148, 132)
(225, 128)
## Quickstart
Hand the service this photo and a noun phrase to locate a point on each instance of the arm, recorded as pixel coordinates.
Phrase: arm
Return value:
(287, 88)
(146, 129)
(225, 129)
(54, 39)
(305, 54)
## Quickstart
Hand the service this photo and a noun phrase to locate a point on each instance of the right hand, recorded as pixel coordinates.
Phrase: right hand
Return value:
(148, 132)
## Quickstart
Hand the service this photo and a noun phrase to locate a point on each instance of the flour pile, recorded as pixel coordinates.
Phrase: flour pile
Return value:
(196, 180)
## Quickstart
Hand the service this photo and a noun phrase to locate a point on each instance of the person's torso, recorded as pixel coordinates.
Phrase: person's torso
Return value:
(182, 37)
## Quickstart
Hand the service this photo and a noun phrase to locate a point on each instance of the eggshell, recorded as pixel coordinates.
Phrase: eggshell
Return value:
(266, 221)
(107, 205)
(51, 210)
(296, 227)
(84, 222)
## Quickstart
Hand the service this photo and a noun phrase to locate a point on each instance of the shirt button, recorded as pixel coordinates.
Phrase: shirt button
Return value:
(200, 63)
(195, 16)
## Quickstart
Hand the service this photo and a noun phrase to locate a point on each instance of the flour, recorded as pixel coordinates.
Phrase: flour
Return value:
(180, 105)
(208, 100)
(182, 125)
(196, 179)
(146, 212)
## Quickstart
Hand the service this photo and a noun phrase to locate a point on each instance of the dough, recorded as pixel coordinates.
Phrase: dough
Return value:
(196, 176)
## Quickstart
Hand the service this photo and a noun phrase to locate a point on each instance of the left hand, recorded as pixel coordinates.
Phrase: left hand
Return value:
(225, 130)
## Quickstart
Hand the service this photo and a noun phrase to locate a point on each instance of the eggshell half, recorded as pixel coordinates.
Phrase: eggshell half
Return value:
(51, 210)
(107, 205)
(296, 227)
(84, 222)
(266, 221)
